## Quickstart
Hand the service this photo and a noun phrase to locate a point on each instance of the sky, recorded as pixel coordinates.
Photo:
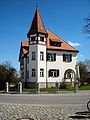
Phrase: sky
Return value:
(66, 18)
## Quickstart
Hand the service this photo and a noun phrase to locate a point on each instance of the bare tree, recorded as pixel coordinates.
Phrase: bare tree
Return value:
(87, 25)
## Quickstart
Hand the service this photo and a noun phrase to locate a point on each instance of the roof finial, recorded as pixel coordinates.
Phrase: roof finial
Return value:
(36, 4)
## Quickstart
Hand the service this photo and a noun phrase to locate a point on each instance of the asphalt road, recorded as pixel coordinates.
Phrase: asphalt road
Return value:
(45, 99)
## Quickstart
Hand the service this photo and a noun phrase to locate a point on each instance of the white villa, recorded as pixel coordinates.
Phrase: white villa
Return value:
(45, 58)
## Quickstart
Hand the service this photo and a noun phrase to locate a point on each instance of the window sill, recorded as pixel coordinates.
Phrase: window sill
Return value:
(54, 76)
(67, 61)
(50, 61)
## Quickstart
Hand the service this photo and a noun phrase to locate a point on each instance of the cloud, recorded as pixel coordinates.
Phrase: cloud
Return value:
(80, 55)
(73, 44)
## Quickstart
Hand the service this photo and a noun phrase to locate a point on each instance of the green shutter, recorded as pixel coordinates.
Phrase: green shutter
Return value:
(49, 73)
(54, 56)
(70, 57)
(57, 73)
(64, 57)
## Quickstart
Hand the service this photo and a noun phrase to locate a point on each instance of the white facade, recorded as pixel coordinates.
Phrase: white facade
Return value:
(47, 70)
(45, 65)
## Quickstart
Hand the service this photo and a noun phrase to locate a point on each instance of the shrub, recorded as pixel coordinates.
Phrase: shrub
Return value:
(63, 85)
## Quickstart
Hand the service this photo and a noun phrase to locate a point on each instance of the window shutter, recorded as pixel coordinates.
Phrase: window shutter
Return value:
(49, 73)
(57, 73)
(63, 57)
(54, 56)
(70, 57)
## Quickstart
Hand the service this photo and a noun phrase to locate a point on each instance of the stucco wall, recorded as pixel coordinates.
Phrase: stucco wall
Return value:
(59, 64)
(32, 63)
(41, 64)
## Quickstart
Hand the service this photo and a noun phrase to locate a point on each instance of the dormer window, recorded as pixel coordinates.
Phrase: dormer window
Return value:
(55, 43)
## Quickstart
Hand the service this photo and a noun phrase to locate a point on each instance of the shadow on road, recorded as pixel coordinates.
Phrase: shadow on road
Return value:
(81, 115)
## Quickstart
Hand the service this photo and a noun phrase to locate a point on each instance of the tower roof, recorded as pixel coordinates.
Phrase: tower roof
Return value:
(37, 25)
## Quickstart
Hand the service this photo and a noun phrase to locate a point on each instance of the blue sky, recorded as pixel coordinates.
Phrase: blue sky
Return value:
(64, 17)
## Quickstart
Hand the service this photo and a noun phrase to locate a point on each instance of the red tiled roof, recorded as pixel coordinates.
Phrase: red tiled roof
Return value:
(24, 49)
(53, 37)
(64, 45)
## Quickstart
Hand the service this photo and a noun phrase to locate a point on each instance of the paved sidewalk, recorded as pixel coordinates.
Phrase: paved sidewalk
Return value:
(40, 112)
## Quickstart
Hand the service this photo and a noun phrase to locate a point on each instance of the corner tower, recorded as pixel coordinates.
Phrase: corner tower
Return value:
(37, 37)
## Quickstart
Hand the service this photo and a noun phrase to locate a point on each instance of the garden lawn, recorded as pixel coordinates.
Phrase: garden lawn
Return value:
(87, 87)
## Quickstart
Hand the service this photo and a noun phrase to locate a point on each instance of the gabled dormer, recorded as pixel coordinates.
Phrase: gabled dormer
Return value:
(55, 42)
(37, 33)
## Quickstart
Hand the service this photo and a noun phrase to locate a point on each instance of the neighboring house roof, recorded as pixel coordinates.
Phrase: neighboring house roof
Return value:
(64, 45)
(25, 47)
(24, 44)
(37, 25)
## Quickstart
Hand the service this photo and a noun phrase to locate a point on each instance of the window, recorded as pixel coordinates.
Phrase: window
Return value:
(33, 73)
(51, 56)
(41, 55)
(67, 57)
(41, 72)
(33, 55)
(53, 73)
(32, 38)
(42, 39)
(54, 43)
